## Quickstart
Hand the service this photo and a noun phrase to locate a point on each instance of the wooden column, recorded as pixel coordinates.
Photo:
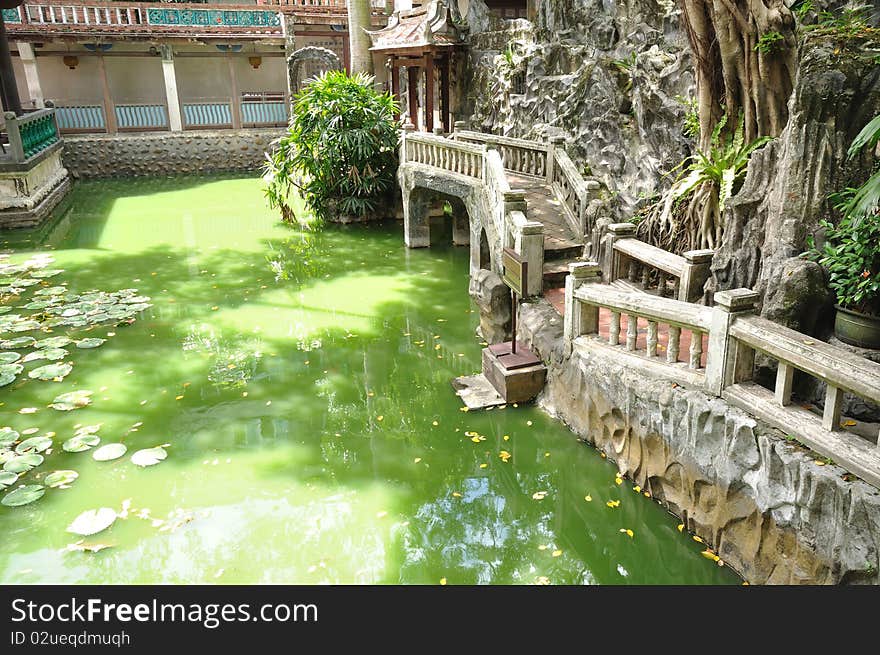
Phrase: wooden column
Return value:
(109, 107)
(395, 82)
(445, 113)
(412, 73)
(234, 92)
(429, 92)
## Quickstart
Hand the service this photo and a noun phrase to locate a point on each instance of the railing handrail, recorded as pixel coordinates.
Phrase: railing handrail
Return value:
(494, 139)
(829, 363)
(653, 308)
(651, 255)
(443, 142)
(563, 162)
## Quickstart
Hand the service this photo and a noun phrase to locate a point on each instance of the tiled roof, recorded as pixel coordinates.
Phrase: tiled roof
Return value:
(428, 26)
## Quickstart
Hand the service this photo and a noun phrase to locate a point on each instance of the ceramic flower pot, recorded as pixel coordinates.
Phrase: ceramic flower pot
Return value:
(857, 329)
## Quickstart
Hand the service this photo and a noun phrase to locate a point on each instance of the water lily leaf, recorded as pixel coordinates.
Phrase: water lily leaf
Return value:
(25, 326)
(52, 354)
(23, 463)
(7, 479)
(53, 342)
(87, 429)
(92, 521)
(51, 291)
(8, 358)
(18, 342)
(6, 377)
(82, 547)
(34, 445)
(61, 479)
(51, 371)
(149, 456)
(8, 436)
(72, 400)
(92, 342)
(23, 495)
(6, 455)
(109, 452)
(81, 443)
(47, 273)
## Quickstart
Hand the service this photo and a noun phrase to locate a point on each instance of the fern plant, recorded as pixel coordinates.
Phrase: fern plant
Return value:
(721, 167)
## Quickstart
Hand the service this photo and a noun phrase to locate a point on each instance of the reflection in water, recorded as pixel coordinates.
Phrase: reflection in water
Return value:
(302, 380)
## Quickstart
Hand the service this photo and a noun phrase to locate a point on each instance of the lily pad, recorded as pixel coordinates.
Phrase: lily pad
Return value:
(17, 342)
(81, 443)
(8, 436)
(51, 371)
(23, 495)
(23, 463)
(6, 377)
(53, 342)
(149, 456)
(49, 272)
(7, 479)
(72, 400)
(8, 358)
(92, 521)
(109, 452)
(34, 445)
(60, 479)
(91, 342)
(52, 354)
(50, 291)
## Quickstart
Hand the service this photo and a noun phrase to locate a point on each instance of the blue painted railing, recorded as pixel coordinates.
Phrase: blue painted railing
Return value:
(212, 17)
(141, 117)
(12, 15)
(81, 118)
(207, 114)
(264, 113)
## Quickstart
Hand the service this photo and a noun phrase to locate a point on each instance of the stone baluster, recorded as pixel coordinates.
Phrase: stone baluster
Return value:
(833, 406)
(784, 379)
(696, 353)
(646, 277)
(661, 285)
(696, 272)
(672, 346)
(632, 331)
(557, 141)
(652, 339)
(614, 329)
(611, 262)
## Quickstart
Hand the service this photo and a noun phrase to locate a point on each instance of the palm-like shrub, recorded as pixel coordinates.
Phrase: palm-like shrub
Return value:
(340, 150)
(863, 200)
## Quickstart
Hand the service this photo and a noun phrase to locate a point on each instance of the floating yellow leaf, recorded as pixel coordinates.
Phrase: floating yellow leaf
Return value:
(455, 494)
(709, 554)
(618, 480)
(627, 532)
(482, 466)
(588, 498)
(646, 494)
(504, 455)
(178, 397)
(528, 422)
(475, 439)
(462, 409)
(637, 488)
(539, 495)
(697, 539)
(848, 423)
(417, 460)
(380, 418)
(542, 580)
(542, 547)
(613, 503)
(443, 581)
(435, 423)
(506, 437)
(819, 462)
(680, 527)
(557, 553)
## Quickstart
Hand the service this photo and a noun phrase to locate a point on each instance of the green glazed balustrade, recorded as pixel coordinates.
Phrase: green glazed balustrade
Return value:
(11, 15)
(208, 17)
(37, 135)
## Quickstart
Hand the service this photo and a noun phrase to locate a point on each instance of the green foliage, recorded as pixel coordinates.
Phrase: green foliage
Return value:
(691, 125)
(851, 253)
(340, 150)
(846, 23)
(626, 68)
(721, 167)
(768, 42)
(803, 9)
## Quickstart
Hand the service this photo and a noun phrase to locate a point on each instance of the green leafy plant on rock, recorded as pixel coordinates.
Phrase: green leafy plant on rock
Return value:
(711, 178)
(340, 150)
(768, 42)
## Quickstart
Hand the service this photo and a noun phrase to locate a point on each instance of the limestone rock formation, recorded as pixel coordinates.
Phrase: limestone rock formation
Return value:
(492, 298)
(785, 193)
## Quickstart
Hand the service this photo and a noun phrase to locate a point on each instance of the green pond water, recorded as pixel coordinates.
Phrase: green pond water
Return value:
(302, 381)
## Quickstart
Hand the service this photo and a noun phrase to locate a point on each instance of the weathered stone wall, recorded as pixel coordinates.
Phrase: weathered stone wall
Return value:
(167, 153)
(613, 77)
(29, 192)
(763, 503)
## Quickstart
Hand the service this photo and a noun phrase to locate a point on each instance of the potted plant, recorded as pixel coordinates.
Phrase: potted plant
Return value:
(851, 254)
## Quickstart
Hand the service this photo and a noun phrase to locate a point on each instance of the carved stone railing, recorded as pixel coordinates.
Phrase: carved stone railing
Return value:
(570, 187)
(649, 268)
(518, 155)
(30, 134)
(504, 208)
(451, 156)
(735, 334)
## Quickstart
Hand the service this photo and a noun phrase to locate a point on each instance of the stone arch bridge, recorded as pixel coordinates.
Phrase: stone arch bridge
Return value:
(504, 193)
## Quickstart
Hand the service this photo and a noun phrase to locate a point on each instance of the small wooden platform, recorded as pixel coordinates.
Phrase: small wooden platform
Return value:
(477, 392)
(519, 377)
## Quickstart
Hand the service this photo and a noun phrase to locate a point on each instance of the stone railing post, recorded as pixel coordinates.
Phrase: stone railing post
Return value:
(16, 147)
(528, 242)
(557, 141)
(579, 318)
(459, 126)
(408, 128)
(696, 272)
(728, 362)
(610, 259)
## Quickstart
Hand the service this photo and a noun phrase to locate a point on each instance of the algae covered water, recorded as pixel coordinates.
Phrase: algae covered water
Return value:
(301, 382)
